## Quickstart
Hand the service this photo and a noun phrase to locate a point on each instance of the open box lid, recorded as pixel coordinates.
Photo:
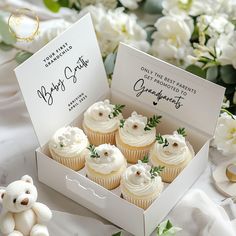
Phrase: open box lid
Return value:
(63, 78)
(169, 89)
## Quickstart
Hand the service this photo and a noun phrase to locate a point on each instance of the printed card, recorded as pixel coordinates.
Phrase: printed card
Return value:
(164, 87)
(62, 79)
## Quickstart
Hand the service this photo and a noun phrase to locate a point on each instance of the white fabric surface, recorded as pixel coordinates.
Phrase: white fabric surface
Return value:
(197, 214)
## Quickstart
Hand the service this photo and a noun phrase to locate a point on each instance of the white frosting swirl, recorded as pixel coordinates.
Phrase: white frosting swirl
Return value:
(133, 132)
(68, 141)
(111, 159)
(97, 117)
(137, 180)
(175, 153)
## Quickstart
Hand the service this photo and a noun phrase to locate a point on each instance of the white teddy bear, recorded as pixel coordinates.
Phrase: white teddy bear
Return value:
(23, 216)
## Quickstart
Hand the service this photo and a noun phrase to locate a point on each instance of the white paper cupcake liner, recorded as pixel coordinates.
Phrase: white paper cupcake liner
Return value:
(109, 181)
(170, 173)
(143, 202)
(74, 163)
(97, 138)
(131, 154)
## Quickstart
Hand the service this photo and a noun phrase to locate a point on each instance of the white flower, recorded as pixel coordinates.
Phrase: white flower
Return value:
(140, 173)
(227, 47)
(105, 151)
(135, 124)
(110, 4)
(214, 25)
(114, 26)
(101, 110)
(130, 4)
(191, 7)
(226, 103)
(171, 41)
(225, 134)
(176, 143)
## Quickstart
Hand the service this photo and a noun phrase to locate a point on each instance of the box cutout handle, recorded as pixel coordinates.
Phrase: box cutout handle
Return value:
(86, 193)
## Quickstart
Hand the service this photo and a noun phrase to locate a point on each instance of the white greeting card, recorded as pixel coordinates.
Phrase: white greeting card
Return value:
(63, 78)
(162, 86)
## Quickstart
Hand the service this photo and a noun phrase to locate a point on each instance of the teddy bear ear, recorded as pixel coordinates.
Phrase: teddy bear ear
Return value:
(2, 193)
(27, 179)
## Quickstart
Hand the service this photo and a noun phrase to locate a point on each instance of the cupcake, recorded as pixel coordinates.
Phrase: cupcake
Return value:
(69, 147)
(105, 165)
(101, 121)
(136, 135)
(173, 152)
(141, 185)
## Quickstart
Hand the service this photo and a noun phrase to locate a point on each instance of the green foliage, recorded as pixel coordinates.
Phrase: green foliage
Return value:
(122, 122)
(116, 110)
(150, 29)
(166, 228)
(93, 153)
(22, 56)
(5, 47)
(156, 170)
(52, 5)
(64, 3)
(212, 73)
(162, 140)
(145, 159)
(152, 122)
(7, 37)
(182, 132)
(228, 74)
(109, 63)
(153, 6)
(196, 70)
(55, 5)
(117, 234)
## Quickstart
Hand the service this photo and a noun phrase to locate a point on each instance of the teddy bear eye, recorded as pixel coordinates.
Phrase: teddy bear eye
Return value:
(14, 201)
(27, 192)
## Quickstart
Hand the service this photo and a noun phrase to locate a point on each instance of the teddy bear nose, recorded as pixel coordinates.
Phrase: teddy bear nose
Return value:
(25, 202)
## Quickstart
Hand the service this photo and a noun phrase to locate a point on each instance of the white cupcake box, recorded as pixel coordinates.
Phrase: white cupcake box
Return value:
(64, 78)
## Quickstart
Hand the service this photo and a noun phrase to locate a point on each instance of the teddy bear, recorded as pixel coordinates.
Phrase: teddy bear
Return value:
(23, 216)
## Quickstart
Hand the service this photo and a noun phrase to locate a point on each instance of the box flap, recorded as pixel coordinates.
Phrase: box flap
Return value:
(169, 89)
(63, 78)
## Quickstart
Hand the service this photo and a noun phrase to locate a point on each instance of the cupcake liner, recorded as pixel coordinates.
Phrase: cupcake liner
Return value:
(132, 154)
(97, 138)
(109, 181)
(140, 202)
(74, 163)
(170, 173)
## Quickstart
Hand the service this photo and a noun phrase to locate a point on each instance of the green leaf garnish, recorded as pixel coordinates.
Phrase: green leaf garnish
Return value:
(117, 234)
(116, 110)
(122, 122)
(5, 47)
(182, 132)
(145, 159)
(156, 170)
(93, 153)
(166, 228)
(162, 140)
(152, 122)
(52, 5)
(6, 36)
(61, 145)
(22, 56)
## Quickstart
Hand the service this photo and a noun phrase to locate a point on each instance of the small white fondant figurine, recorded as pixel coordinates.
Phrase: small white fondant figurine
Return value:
(22, 215)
